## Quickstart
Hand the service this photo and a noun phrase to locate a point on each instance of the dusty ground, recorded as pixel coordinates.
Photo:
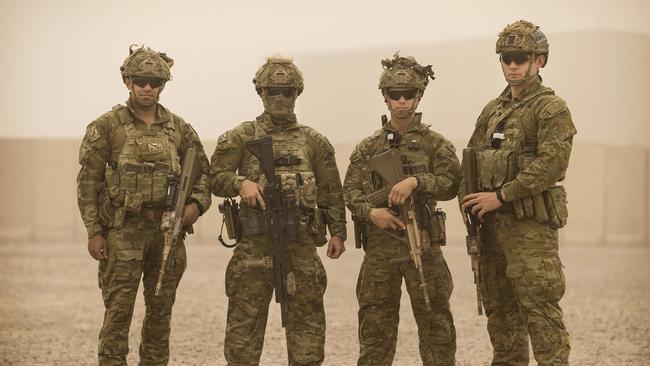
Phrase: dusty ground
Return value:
(50, 309)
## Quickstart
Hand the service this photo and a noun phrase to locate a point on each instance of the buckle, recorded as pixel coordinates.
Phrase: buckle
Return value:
(148, 168)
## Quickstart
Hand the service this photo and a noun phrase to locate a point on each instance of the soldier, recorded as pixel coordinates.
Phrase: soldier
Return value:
(305, 164)
(522, 141)
(433, 174)
(126, 157)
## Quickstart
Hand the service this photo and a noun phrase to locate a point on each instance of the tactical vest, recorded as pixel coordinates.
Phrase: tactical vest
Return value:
(415, 152)
(139, 176)
(505, 152)
(293, 168)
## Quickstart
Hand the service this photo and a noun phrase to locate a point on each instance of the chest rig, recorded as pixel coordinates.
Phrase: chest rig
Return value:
(415, 154)
(510, 142)
(293, 168)
(508, 147)
(415, 158)
(139, 177)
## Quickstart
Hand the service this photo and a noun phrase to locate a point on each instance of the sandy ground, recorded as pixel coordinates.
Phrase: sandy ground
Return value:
(51, 309)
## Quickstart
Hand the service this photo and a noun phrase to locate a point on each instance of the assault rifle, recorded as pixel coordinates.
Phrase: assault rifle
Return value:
(179, 189)
(473, 238)
(277, 216)
(388, 166)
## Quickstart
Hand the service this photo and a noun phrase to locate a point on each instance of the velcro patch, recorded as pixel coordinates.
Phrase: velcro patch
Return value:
(154, 147)
(93, 134)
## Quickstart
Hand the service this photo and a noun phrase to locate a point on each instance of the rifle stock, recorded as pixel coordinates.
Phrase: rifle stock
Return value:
(276, 216)
(473, 238)
(389, 167)
(179, 191)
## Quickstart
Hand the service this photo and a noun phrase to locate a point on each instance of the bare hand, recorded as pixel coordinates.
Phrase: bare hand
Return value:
(385, 218)
(251, 193)
(191, 213)
(336, 247)
(401, 191)
(481, 203)
(97, 247)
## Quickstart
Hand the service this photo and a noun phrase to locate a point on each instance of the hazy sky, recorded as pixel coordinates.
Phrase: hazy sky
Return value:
(61, 58)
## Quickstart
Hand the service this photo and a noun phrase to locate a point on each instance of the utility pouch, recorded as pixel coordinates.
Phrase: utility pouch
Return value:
(495, 168)
(541, 212)
(437, 233)
(312, 226)
(105, 209)
(118, 219)
(230, 211)
(112, 178)
(529, 211)
(518, 207)
(133, 202)
(360, 233)
(556, 205)
(252, 223)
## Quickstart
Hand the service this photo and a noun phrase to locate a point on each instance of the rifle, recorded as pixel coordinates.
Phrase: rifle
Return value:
(473, 238)
(277, 218)
(388, 166)
(178, 190)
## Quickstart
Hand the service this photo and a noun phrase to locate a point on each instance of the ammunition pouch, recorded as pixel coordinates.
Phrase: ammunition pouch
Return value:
(252, 223)
(556, 206)
(499, 166)
(305, 225)
(495, 168)
(105, 209)
(360, 232)
(437, 229)
(548, 207)
(312, 226)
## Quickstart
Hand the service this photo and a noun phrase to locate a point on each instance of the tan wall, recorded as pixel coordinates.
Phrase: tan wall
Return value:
(608, 191)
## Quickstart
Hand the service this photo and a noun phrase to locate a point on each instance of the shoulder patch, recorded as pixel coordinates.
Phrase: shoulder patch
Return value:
(553, 108)
(92, 133)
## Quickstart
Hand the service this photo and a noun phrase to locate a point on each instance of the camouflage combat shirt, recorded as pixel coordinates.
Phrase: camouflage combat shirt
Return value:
(101, 147)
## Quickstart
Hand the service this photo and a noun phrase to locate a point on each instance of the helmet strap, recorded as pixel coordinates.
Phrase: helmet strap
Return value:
(528, 77)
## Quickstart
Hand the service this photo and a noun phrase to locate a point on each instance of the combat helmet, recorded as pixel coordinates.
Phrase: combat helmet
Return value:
(523, 36)
(278, 72)
(404, 72)
(146, 62)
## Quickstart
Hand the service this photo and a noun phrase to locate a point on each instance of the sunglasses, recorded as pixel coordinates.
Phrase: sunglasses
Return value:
(143, 81)
(407, 94)
(519, 58)
(287, 92)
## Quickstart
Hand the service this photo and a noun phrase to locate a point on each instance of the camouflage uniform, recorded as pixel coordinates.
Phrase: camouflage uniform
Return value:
(122, 186)
(387, 259)
(249, 277)
(522, 280)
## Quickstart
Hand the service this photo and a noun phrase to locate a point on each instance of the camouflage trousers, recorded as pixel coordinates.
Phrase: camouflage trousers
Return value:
(379, 289)
(249, 287)
(522, 285)
(134, 252)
